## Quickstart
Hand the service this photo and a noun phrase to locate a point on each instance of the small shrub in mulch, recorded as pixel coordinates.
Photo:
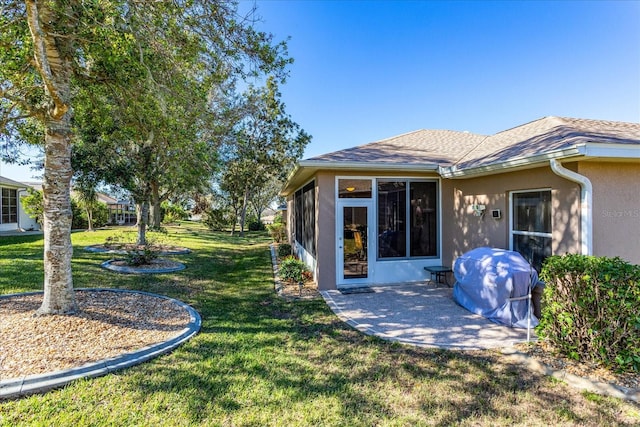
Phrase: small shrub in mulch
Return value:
(284, 250)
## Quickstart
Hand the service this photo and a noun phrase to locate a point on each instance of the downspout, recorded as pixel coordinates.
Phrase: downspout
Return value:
(586, 208)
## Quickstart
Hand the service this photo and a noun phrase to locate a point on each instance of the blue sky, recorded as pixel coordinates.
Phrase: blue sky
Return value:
(368, 70)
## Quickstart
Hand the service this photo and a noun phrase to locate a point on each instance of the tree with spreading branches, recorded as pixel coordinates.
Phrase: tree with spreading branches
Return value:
(52, 50)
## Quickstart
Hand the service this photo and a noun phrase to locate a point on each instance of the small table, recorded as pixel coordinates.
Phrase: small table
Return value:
(440, 271)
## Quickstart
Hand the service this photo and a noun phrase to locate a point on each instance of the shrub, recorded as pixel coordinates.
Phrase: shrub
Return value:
(33, 204)
(216, 219)
(284, 250)
(142, 256)
(592, 309)
(173, 213)
(253, 224)
(277, 231)
(292, 269)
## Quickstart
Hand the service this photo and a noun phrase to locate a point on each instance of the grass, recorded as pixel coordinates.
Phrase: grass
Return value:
(262, 361)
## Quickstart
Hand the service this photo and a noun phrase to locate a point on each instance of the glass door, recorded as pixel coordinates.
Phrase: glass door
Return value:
(353, 243)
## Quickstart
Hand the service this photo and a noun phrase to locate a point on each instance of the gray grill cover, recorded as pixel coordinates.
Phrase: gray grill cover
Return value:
(494, 283)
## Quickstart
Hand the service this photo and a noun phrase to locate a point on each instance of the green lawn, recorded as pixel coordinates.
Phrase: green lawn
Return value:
(262, 361)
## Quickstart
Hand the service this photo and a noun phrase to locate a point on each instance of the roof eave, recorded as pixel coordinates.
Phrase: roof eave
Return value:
(588, 150)
(519, 163)
(307, 168)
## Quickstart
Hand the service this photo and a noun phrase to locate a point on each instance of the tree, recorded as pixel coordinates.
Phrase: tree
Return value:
(51, 48)
(264, 195)
(266, 145)
(87, 197)
(33, 204)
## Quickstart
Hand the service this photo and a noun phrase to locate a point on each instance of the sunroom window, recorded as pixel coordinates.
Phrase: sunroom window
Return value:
(407, 219)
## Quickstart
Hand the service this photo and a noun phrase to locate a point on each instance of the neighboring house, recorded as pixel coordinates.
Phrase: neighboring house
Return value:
(379, 213)
(12, 216)
(121, 212)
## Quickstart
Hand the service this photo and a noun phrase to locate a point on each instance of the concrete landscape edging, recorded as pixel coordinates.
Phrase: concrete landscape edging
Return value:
(128, 269)
(96, 249)
(31, 384)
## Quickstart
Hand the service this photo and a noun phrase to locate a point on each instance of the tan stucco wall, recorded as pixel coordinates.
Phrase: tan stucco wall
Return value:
(616, 208)
(463, 231)
(325, 231)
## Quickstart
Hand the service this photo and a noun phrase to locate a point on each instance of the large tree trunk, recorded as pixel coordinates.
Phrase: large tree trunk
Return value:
(142, 210)
(55, 70)
(156, 212)
(59, 297)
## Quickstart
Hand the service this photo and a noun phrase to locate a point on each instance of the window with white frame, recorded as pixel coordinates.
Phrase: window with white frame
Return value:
(531, 225)
(407, 218)
(9, 206)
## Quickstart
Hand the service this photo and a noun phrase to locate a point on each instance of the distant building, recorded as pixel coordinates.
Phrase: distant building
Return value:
(12, 216)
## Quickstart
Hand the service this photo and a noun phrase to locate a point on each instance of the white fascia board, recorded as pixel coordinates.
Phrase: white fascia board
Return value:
(599, 149)
(413, 167)
(513, 164)
(306, 168)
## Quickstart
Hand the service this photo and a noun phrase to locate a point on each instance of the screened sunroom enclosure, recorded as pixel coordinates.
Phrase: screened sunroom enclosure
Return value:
(387, 229)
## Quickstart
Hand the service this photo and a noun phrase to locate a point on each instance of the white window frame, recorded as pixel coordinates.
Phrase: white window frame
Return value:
(407, 219)
(513, 232)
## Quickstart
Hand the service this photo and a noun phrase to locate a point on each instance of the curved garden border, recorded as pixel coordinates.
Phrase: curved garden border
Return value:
(31, 384)
(129, 269)
(98, 249)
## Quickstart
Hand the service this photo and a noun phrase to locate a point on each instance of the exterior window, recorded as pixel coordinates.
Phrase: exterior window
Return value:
(416, 207)
(423, 216)
(354, 188)
(531, 233)
(392, 213)
(305, 217)
(9, 206)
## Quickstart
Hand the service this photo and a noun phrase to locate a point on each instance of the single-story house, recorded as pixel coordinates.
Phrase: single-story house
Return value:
(12, 216)
(381, 212)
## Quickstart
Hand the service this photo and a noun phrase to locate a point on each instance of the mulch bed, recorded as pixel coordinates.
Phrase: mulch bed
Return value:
(106, 325)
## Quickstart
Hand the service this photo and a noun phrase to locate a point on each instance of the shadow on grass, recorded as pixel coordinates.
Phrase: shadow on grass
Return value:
(260, 360)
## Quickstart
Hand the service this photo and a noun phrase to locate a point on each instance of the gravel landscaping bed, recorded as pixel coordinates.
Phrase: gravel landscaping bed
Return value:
(107, 324)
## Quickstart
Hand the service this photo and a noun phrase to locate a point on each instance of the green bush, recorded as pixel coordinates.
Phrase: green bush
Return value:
(173, 213)
(277, 231)
(216, 219)
(284, 250)
(253, 224)
(591, 310)
(142, 256)
(292, 269)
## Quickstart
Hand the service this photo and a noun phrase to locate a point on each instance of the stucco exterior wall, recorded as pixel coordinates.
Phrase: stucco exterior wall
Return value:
(325, 231)
(616, 208)
(462, 231)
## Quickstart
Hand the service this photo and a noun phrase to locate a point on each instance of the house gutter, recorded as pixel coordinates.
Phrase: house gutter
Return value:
(586, 208)
(526, 162)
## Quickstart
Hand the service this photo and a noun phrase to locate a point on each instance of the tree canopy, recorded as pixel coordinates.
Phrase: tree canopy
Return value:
(139, 67)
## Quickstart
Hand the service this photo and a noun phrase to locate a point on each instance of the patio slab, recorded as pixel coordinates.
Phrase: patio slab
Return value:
(422, 315)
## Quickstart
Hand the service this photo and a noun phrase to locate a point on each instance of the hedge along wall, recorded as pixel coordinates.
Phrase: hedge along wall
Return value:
(591, 309)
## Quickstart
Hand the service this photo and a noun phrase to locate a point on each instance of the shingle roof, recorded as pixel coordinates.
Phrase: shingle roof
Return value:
(464, 154)
(468, 150)
(439, 147)
(547, 135)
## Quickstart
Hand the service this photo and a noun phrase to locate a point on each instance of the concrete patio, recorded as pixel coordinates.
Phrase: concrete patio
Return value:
(422, 315)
